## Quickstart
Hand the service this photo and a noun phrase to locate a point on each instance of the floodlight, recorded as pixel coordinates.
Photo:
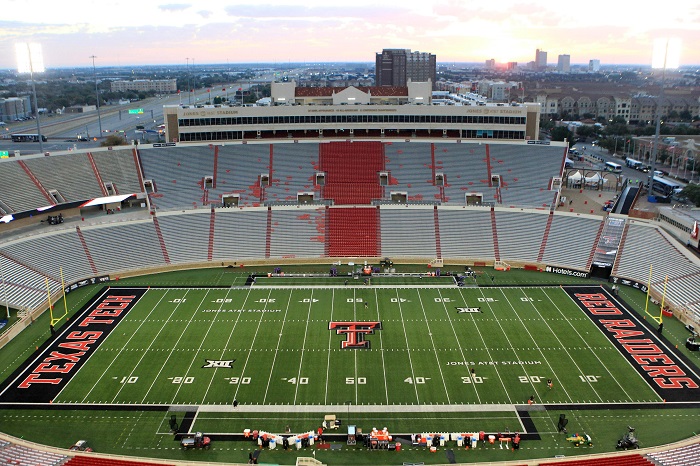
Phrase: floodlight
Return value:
(29, 58)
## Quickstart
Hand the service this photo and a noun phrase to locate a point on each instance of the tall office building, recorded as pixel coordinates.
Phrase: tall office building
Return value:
(593, 66)
(540, 60)
(564, 63)
(394, 67)
(490, 64)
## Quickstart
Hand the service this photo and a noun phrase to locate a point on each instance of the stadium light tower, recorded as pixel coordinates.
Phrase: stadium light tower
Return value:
(97, 94)
(30, 60)
(666, 55)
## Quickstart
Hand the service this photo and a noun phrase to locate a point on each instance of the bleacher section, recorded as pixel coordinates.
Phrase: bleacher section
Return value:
(84, 460)
(407, 232)
(17, 190)
(297, 233)
(119, 168)
(682, 456)
(294, 167)
(61, 249)
(126, 246)
(645, 246)
(352, 171)
(19, 455)
(25, 287)
(239, 234)
(238, 171)
(526, 172)
(71, 175)
(178, 175)
(570, 240)
(353, 232)
(520, 236)
(185, 235)
(466, 233)
(465, 170)
(409, 171)
(613, 460)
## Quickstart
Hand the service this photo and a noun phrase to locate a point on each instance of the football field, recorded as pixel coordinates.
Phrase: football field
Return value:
(334, 345)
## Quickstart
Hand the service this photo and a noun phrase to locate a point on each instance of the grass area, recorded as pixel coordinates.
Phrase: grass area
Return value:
(285, 355)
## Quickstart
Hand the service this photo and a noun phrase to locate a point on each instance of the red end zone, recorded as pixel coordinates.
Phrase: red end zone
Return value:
(44, 375)
(663, 369)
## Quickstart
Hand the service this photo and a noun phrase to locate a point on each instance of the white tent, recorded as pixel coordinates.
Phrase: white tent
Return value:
(575, 177)
(595, 179)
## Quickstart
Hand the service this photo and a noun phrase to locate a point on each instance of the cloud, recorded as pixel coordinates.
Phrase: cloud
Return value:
(174, 6)
(205, 13)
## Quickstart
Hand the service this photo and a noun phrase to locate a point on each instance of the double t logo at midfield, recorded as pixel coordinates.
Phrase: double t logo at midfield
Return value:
(354, 333)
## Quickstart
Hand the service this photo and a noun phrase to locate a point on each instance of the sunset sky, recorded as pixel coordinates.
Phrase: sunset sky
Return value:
(130, 32)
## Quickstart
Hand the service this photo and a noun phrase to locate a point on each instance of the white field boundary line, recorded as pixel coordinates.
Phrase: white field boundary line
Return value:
(201, 343)
(558, 341)
(330, 342)
(408, 348)
(277, 349)
(631, 314)
(170, 353)
(534, 341)
(133, 335)
(586, 343)
(228, 340)
(381, 348)
(486, 347)
(303, 348)
(391, 409)
(435, 352)
(461, 350)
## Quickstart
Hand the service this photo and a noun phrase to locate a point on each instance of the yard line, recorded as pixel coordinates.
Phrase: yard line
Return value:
(330, 340)
(555, 336)
(454, 331)
(495, 367)
(204, 338)
(118, 354)
(601, 362)
(279, 339)
(381, 347)
(408, 349)
(432, 342)
(354, 353)
(228, 340)
(252, 342)
(173, 346)
(303, 345)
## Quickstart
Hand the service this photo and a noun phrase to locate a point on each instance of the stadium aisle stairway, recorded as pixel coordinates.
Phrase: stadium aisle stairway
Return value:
(352, 171)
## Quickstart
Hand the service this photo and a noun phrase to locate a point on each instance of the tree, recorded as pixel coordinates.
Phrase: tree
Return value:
(561, 133)
(692, 192)
(114, 140)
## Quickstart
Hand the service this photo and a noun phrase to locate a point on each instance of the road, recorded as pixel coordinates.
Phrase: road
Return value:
(62, 130)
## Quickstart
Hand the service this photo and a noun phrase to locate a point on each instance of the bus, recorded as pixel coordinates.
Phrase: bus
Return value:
(613, 167)
(636, 164)
(665, 187)
(28, 138)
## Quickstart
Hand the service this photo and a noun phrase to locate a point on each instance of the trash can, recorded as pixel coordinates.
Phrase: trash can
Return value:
(273, 444)
(460, 441)
(442, 440)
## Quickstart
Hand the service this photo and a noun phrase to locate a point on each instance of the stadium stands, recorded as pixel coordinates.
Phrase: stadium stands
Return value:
(70, 174)
(409, 171)
(293, 170)
(352, 171)
(296, 233)
(407, 232)
(353, 232)
(238, 171)
(687, 455)
(17, 190)
(239, 234)
(119, 168)
(85, 460)
(466, 233)
(19, 455)
(185, 235)
(613, 460)
(570, 240)
(519, 236)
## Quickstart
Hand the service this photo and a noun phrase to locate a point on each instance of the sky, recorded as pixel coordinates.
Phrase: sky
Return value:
(144, 32)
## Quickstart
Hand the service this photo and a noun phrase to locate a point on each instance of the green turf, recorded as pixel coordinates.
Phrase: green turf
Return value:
(285, 353)
(160, 341)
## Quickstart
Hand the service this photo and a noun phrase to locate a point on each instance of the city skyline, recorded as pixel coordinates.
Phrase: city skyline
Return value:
(126, 32)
